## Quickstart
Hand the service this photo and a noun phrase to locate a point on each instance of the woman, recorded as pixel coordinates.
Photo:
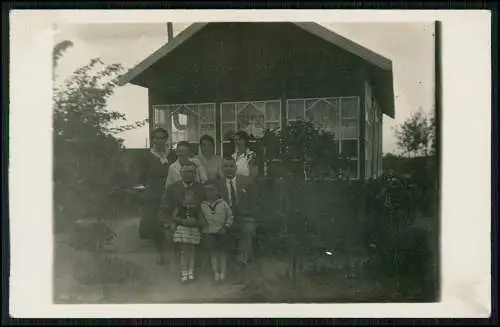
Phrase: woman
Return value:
(246, 159)
(183, 152)
(154, 176)
(211, 162)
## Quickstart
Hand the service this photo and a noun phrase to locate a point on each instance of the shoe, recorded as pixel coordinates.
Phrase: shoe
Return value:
(184, 277)
(190, 276)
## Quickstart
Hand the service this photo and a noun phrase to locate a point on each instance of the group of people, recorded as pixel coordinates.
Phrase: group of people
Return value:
(201, 200)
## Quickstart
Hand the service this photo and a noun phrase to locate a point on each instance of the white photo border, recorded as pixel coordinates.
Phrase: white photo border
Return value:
(466, 173)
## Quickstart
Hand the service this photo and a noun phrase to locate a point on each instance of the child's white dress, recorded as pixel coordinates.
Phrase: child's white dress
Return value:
(187, 234)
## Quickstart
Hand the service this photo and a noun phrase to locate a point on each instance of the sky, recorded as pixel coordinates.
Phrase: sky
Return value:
(410, 46)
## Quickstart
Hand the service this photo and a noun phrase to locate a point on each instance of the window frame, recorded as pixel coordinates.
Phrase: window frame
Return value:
(167, 117)
(341, 118)
(236, 112)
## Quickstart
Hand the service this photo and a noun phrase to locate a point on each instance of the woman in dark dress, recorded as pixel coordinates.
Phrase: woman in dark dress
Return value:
(154, 175)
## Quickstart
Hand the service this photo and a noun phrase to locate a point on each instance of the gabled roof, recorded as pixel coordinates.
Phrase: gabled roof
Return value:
(382, 65)
(313, 28)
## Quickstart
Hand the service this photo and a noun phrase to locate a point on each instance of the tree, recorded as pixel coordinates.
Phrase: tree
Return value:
(88, 172)
(298, 160)
(58, 52)
(300, 146)
(416, 136)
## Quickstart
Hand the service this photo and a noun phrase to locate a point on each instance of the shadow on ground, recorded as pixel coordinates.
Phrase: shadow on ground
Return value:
(131, 275)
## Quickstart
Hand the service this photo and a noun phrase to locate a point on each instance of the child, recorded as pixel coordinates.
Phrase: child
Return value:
(219, 218)
(187, 234)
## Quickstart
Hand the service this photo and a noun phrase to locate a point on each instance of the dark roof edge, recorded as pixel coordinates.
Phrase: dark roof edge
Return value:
(160, 53)
(312, 28)
(346, 44)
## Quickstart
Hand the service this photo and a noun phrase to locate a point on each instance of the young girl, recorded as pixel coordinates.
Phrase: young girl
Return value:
(187, 233)
(219, 218)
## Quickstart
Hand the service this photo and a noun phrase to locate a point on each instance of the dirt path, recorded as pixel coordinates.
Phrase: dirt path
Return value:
(152, 283)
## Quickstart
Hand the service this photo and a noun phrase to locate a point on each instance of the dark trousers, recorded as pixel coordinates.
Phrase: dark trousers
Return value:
(150, 227)
(242, 235)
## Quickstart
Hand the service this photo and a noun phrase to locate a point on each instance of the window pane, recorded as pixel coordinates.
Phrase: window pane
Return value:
(228, 113)
(160, 116)
(156, 120)
(350, 148)
(311, 103)
(325, 115)
(260, 105)
(206, 112)
(251, 120)
(349, 107)
(192, 127)
(273, 111)
(295, 109)
(207, 129)
(349, 128)
(241, 106)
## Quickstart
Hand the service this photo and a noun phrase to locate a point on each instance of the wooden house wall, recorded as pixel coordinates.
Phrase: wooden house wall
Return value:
(250, 62)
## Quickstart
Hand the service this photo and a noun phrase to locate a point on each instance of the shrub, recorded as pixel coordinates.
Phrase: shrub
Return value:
(89, 178)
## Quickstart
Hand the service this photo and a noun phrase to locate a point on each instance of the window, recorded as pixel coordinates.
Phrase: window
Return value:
(369, 159)
(186, 122)
(369, 141)
(378, 134)
(337, 115)
(253, 117)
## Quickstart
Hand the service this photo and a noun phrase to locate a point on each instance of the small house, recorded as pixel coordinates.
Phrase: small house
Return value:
(217, 78)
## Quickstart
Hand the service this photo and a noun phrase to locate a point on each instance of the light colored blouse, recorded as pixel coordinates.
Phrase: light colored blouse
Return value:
(217, 214)
(244, 161)
(212, 166)
(161, 156)
(174, 173)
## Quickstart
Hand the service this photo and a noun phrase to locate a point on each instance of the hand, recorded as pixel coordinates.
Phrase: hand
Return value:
(164, 223)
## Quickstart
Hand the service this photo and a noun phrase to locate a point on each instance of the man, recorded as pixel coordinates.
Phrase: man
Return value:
(241, 194)
(174, 193)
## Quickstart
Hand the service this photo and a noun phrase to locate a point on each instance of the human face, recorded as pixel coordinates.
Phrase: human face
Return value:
(182, 153)
(188, 172)
(211, 192)
(159, 140)
(207, 148)
(240, 144)
(229, 168)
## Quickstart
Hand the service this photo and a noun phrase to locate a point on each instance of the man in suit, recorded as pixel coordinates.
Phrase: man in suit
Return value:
(240, 193)
(174, 194)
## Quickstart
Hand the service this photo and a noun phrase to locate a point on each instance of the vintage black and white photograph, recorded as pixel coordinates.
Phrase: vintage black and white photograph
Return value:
(200, 164)
(245, 162)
